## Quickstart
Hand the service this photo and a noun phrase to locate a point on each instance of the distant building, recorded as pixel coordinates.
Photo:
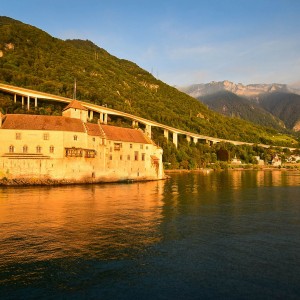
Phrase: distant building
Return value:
(260, 161)
(236, 161)
(68, 148)
(276, 161)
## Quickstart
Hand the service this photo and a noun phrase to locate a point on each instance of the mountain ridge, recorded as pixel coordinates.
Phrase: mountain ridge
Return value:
(279, 102)
(249, 91)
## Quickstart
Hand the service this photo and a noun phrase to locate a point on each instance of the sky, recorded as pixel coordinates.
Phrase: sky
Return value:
(181, 42)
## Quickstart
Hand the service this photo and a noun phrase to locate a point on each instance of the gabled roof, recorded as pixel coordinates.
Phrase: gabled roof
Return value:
(94, 129)
(124, 134)
(40, 122)
(75, 104)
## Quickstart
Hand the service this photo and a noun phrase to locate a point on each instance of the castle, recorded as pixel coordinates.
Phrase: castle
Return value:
(69, 149)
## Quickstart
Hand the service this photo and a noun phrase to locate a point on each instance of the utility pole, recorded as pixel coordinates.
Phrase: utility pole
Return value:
(74, 93)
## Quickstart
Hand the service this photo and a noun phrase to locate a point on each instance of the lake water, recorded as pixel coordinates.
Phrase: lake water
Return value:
(220, 235)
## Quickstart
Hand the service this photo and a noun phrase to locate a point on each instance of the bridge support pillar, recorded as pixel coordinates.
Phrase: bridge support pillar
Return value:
(195, 140)
(188, 138)
(91, 115)
(101, 119)
(175, 139)
(15, 98)
(166, 134)
(35, 102)
(22, 101)
(28, 102)
(148, 130)
(135, 124)
(105, 119)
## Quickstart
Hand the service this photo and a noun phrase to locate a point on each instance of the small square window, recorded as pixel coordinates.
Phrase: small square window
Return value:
(18, 135)
(46, 136)
(38, 149)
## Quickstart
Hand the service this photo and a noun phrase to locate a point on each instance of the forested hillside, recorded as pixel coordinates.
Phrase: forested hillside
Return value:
(33, 59)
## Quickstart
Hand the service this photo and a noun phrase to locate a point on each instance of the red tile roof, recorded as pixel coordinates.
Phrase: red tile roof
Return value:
(75, 104)
(124, 134)
(40, 122)
(94, 129)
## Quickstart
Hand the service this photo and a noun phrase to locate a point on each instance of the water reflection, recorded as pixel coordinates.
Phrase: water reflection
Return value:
(101, 221)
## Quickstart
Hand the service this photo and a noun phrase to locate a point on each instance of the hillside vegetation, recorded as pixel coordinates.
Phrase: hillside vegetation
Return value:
(31, 58)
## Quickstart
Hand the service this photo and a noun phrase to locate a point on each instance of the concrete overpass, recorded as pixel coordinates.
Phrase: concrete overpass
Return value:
(27, 95)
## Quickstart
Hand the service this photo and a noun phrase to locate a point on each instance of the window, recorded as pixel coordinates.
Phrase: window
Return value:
(128, 157)
(25, 149)
(73, 152)
(51, 149)
(121, 157)
(18, 135)
(38, 149)
(46, 136)
(110, 157)
(143, 156)
(75, 137)
(141, 147)
(117, 146)
(130, 146)
(94, 139)
(11, 149)
(90, 153)
(136, 155)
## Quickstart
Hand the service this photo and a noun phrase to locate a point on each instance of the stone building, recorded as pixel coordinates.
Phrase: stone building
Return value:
(68, 148)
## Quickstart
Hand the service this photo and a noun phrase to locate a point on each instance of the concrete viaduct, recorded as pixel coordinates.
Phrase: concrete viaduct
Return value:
(30, 97)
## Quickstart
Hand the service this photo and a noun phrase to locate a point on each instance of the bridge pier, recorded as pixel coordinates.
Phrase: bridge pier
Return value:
(135, 124)
(103, 118)
(166, 134)
(188, 138)
(35, 102)
(175, 139)
(91, 116)
(148, 130)
(195, 140)
(15, 98)
(28, 102)
(22, 101)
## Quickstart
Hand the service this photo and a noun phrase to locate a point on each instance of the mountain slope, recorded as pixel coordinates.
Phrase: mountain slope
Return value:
(284, 106)
(29, 57)
(231, 105)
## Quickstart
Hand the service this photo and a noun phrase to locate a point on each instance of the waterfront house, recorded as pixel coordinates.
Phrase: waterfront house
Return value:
(68, 148)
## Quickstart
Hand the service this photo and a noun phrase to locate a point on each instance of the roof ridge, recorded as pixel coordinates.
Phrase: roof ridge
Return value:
(75, 104)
